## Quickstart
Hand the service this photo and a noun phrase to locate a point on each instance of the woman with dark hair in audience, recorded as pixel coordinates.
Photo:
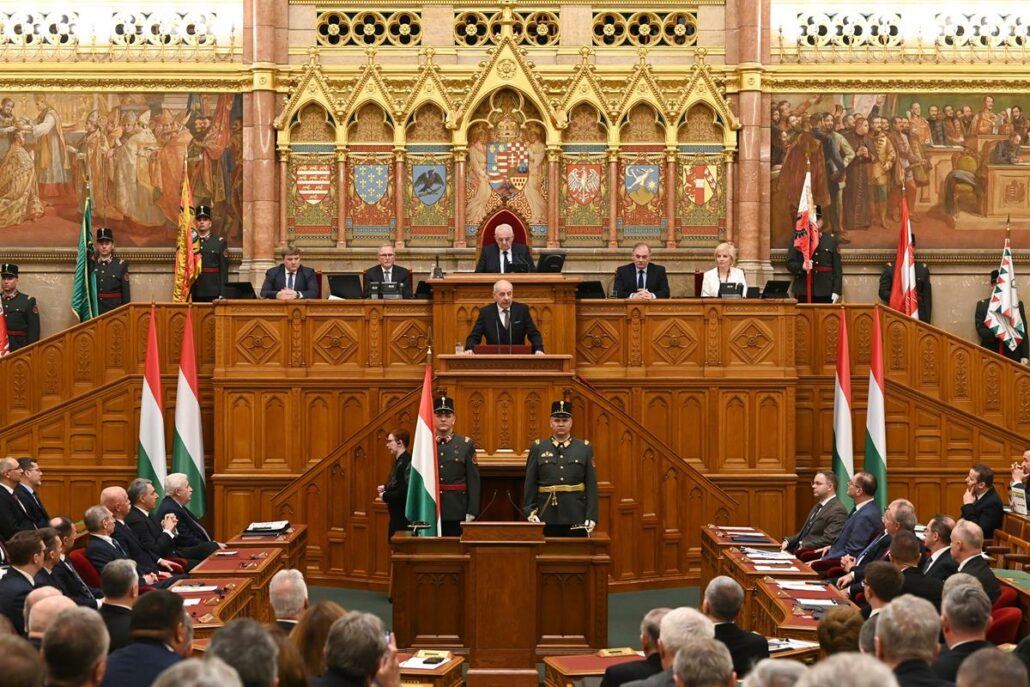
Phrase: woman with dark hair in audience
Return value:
(395, 491)
(291, 666)
(310, 634)
(838, 630)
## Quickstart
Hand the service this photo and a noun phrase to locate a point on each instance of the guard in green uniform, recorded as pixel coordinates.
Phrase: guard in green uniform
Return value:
(214, 264)
(458, 471)
(19, 309)
(112, 273)
(561, 485)
(827, 272)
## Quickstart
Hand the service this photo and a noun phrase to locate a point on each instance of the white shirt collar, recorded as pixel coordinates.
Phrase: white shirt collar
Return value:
(102, 537)
(937, 554)
(858, 506)
(25, 575)
(827, 499)
(10, 490)
(27, 488)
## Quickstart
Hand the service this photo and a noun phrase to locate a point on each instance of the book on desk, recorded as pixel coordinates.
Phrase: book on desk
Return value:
(272, 528)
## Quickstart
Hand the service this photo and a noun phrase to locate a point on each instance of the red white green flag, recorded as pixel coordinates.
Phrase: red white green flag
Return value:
(903, 288)
(423, 503)
(151, 457)
(188, 444)
(875, 419)
(843, 456)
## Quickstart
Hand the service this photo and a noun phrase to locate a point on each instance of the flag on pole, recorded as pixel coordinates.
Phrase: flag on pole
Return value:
(188, 443)
(150, 461)
(5, 342)
(423, 503)
(843, 457)
(187, 248)
(806, 231)
(903, 288)
(84, 286)
(1003, 317)
(875, 422)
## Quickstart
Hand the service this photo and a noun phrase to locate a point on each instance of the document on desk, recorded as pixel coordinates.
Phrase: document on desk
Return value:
(194, 588)
(816, 602)
(776, 568)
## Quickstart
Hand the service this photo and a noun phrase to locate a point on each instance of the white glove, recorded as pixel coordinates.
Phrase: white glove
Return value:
(533, 518)
(469, 517)
(590, 526)
(834, 297)
(1024, 361)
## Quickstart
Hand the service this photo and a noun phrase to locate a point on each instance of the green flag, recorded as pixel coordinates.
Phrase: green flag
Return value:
(84, 287)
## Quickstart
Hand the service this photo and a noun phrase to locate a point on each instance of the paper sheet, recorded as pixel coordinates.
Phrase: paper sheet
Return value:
(190, 602)
(816, 602)
(416, 663)
(192, 589)
(775, 568)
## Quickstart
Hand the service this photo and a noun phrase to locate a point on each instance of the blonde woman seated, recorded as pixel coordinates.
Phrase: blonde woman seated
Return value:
(724, 272)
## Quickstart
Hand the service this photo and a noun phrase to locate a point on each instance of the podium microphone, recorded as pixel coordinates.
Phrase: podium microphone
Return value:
(517, 507)
(484, 509)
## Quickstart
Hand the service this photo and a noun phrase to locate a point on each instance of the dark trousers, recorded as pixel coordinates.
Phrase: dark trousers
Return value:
(450, 528)
(197, 552)
(563, 531)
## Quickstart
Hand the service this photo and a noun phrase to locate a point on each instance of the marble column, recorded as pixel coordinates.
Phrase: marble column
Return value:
(670, 198)
(613, 199)
(341, 204)
(459, 198)
(552, 201)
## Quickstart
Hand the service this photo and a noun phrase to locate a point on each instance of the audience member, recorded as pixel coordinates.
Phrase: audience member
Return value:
(357, 653)
(838, 630)
(905, 554)
(13, 516)
(19, 663)
(191, 539)
(826, 519)
(863, 523)
(25, 549)
(900, 515)
(906, 640)
(64, 573)
(41, 615)
(120, 584)
(775, 672)
(288, 594)
(679, 626)
(848, 670)
(157, 537)
(616, 675)
(245, 645)
(27, 491)
(1021, 471)
(35, 596)
(52, 552)
(992, 668)
(641, 278)
(161, 636)
(196, 672)
(117, 501)
(937, 539)
(290, 665)
(965, 615)
(386, 271)
(704, 662)
(311, 633)
(723, 600)
(967, 541)
(290, 280)
(867, 637)
(883, 583)
(75, 649)
(980, 501)
(101, 547)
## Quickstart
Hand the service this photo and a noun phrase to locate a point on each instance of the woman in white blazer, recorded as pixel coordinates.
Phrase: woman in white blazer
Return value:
(724, 271)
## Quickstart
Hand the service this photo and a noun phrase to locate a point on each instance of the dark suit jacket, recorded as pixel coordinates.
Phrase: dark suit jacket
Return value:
(396, 493)
(662, 679)
(13, 518)
(981, 570)
(306, 282)
(331, 678)
(924, 293)
(521, 260)
(943, 568)
(876, 551)
(37, 511)
(100, 553)
(149, 533)
(986, 512)
(488, 324)
(13, 590)
(987, 339)
(746, 648)
(146, 562)
(825, 528)
(117, 620)
(656, 281)
(73, 586)
(44, 578)
(914, 582)
(190, 531)
(918, 674)
(949, 660)
(860, 528)
(619, 674)
(138, 664)
(400, 275)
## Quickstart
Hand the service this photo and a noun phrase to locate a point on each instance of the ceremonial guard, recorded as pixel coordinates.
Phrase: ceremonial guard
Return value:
(19, 309)
(214, 265)
(924, 294)
(112, 274)
(561, 484)
(827, 272)
(458, 471)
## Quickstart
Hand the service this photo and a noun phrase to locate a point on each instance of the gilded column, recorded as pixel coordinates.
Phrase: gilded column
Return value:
(613, 199)
(670, 198)
(284, 161)
(341, 204)
(459, 198)
(552, 202)
(398, 185)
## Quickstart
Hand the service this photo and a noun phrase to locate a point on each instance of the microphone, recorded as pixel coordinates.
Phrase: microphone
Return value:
(497, 328)
(509, 330)
(517, 507)
(484, 509)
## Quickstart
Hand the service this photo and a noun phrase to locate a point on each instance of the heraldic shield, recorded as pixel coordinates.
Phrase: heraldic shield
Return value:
(370, 181)
(428, 182)
(641, 182)
(507, 167)
(583, 182)
(314, 182)
(700, 183)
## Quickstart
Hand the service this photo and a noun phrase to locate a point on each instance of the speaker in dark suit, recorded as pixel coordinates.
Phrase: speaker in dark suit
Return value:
(519, 327)
(304, 280)
(980, 502)
(398, 275)
(746, 648)
(518, 259)
(628, 280)
(621, 673)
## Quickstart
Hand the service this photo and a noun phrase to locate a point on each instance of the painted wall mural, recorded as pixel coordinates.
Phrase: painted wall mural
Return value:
(960, 161)
(129, 150)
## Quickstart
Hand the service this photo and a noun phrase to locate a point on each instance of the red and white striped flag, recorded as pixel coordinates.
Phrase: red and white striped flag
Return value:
(903, 288)
(5, 343)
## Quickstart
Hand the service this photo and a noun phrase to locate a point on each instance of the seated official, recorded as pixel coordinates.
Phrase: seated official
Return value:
(980, 501)
(116, 500)
(1021, 471)
(641, 279)
(26, 552)
(824, 521)
(965, 615)
(967, 541)
(64, 573)
(13, 516)
(508, 323)
(621, 673)
(27, 491)
(724, 272)
(906, 556)
(862, 524)
(120, 583)
(900, 515)
(387, 272)
(723, 599)
(102, 547)
(937, 540)
(290, 280)
(52, 550)
(505, 256)
(190, 536)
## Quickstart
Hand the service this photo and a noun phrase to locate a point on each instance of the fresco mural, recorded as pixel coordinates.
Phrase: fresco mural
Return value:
(129, 150)
(960, 160)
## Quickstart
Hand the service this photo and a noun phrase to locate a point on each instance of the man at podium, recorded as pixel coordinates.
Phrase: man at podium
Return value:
(507, 324)
(561, 485)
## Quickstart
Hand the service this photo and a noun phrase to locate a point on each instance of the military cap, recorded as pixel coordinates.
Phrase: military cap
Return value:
(561, 409)
(9, 269)
(105, 234)
(444, 404)
(203, 211)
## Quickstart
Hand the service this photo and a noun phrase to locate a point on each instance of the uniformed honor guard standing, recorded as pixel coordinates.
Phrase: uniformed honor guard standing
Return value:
(214, 265)
(458, 471)
(19, 309)
(827, 272)
(561, 485)
(112, 274)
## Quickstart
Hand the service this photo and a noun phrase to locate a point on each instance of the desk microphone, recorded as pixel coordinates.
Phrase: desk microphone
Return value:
(484, 509)
(517, 507)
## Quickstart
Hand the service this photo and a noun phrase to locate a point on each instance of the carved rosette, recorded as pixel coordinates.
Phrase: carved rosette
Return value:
(410, 342)
(335, 342)
(751, 341)
(598, 342)
(256, 343)
(674, 342)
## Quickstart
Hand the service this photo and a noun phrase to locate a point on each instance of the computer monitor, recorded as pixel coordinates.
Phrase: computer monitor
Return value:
(550, 261)
(385, 290)
(590, 289)
(242, 290)
(345, 285)
(776, 288)
(731, 290)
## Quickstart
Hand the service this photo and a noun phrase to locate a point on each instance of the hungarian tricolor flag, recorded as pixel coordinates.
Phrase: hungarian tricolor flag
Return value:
(903, 288)
(5, 342)
(187, 248)
(843, 456)
(423, 504)
(188, 444)
(1003, 317)
(875, 423)
(151, 456)
(806, 231)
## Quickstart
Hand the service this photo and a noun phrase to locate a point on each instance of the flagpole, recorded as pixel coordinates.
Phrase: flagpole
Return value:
(808, 258)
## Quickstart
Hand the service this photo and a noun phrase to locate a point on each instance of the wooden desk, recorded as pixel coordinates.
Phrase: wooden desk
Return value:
(739, 567)
(257, 565)
(232, 600)
(563, 671)
(715, 539)
(294, 545)
(447, 674)
(776, 613)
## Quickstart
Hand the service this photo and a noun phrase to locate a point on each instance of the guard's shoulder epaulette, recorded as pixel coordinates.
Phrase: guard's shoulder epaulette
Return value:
(536, 441)
(466, 439)
(586, 441)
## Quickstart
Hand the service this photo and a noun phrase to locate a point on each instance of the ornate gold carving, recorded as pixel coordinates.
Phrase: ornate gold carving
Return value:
(314, 126)
(700, 127)
(643, 126)
(371, 125)
(428, 126)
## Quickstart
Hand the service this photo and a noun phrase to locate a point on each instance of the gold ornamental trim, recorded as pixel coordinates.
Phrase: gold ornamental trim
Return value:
(89, 77)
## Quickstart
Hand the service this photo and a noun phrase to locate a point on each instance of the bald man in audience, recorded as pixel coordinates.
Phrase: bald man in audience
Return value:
(967, 541)
(651, 664)
(42, 615)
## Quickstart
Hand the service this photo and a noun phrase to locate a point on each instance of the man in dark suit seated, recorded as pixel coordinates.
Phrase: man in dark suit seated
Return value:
(678, 628)
(26, 552)
(882, 584)
(980, 501)
(862, 523)
(190, 534)
(1021, 472)
(641, 278)
(162, 634)
(13, 516)
(387, 271)
(116, 500)
(27, 491)
(52, 551)
(937, 540)
(906, 555)
(900, 516)
(121, 589)
(651, 664)
(967, 541)
(288, 594)
(824, 521)
(75, 649)
(504, 256)
(290, 280)
(357, 652)
(157, 537)
(506, 323)
(965, 614)
(723, 600)
(64, 573)
(102, 548)
(906, 640)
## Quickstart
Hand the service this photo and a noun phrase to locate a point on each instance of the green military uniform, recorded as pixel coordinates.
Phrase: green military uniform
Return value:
(21, 313)
(112, 278)
(459, 476)
(214, 264)
(827, 272)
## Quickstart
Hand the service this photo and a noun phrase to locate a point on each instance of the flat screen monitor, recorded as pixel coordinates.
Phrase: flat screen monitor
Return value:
(345, 285)
(550, 262)
(776, 288)
(590, 289)
(243, 290)
(731, 290)
(386, 290)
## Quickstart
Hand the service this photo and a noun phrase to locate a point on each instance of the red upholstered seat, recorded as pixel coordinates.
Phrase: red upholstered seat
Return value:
(1006, 599)
(806, 554)
(1004, 625)
(502, 216)
(89, 574)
